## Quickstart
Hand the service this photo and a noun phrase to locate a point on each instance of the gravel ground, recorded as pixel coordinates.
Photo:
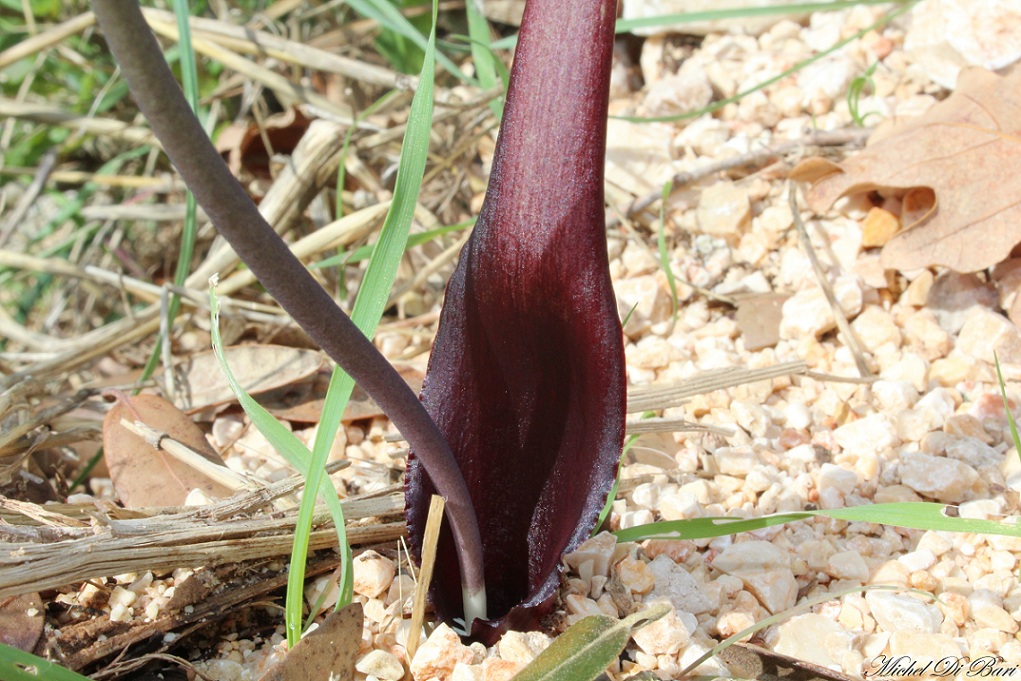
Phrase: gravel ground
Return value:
(929, 426)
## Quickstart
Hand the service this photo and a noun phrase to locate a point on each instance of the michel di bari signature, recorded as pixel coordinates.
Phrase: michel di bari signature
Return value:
(987, 666)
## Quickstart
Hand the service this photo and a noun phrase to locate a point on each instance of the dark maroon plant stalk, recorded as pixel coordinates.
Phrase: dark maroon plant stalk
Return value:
(235, 216)
(526, 378)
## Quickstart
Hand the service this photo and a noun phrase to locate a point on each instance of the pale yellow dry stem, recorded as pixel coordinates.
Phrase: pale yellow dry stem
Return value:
(245, 40)
(46, 551)
(425, 573)
(52, 115)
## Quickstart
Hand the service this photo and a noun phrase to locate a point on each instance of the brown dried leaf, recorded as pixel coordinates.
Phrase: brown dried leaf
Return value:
(144, 476)
(244, 145)
(965, 150)
(258, 368)
(21, 621)
(304, 403)
(329, 652)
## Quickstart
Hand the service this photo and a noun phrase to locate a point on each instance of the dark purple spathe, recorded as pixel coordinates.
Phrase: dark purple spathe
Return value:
(526, 379)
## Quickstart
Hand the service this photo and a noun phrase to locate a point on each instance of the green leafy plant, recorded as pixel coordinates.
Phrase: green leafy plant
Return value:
(854, 93)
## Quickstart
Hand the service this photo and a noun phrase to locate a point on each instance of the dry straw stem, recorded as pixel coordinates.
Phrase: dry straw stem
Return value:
(244, 39)
(46, 549)
(313, 160)
(814, 138)
(850, 337)
(654, 397)
(425, 573)
(52, 115)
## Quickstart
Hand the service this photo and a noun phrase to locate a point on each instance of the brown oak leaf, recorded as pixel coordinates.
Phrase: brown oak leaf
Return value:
(959, 166)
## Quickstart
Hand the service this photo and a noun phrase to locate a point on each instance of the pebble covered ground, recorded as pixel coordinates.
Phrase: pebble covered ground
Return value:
(931, 427)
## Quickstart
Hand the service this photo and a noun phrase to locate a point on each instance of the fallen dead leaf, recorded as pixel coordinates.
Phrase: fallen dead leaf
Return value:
(21, 621)
(959, 166)
(244, 145)
(144, 476)
(258, 368)
(329, 652)
(303, 403)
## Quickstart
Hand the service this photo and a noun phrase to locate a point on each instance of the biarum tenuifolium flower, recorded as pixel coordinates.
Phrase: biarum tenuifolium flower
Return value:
(526, 378)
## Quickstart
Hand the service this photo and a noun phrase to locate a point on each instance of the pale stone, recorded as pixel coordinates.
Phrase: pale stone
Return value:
(896, 612)
(225, 670)
(848, 565)
(966, 425)
(645, 299)
(935, 542)
(466, 672)
(523, 647)
(920, 559)
(923, 646)
(973, 452)
(599, 549)
(876, 327)
(730, 623)
(122, 597)
(372, 573)
(804, 637)
(636, 575)
(765, 571)
(878, 227)
(836, 477)
(893, 396)
(924, 334)
(382, 665)
(711, 668)
(986, 333)
(943, 479)
(808, 314)
(495, 669)
(677, 505)
(581, 606)
(675, 584)
(953, 296)
(946, 36)
(736, 461)
(914, 424)
(993, 617)
(816, 553)
(723, 210)
(910, 368)
(439, 654)
(638, 260)
(917, 293)
(876, 433)
(687, 90)
(750, 24)
(665, 636)
(637, 156)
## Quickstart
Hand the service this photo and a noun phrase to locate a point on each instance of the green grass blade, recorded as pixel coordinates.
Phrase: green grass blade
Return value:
(482, 52)
(365, 252)
(1006, 407)
(911, 514)
(189, 84)
(715, 106)
(15, 665)
(296, 454)
(341, 171)
(664, 257)
(369, 306)
(628, 25)
(390, 18)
